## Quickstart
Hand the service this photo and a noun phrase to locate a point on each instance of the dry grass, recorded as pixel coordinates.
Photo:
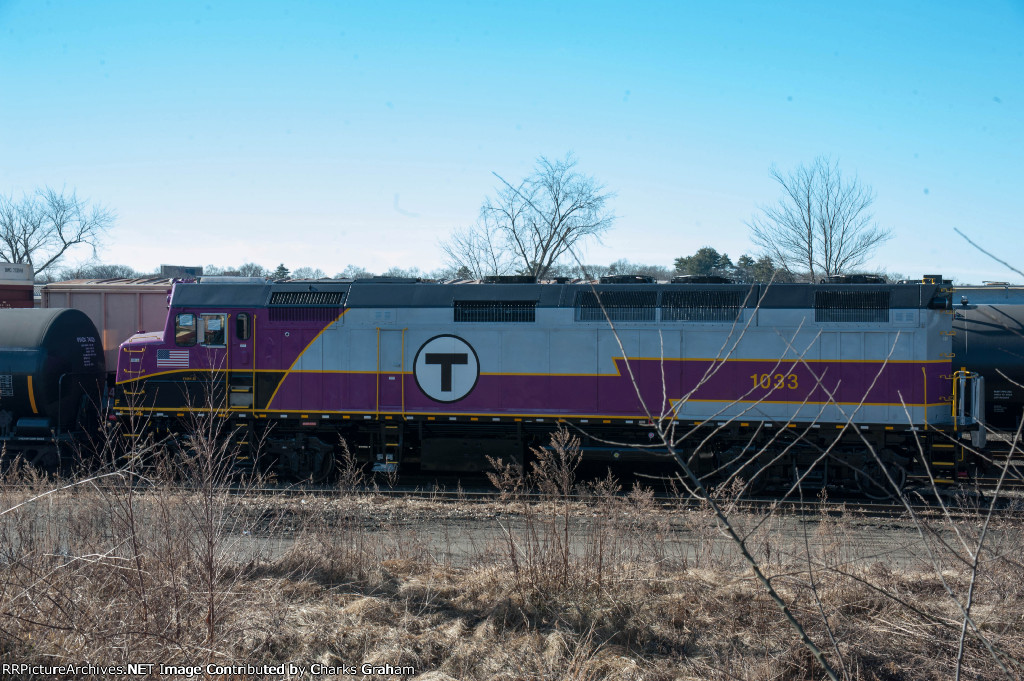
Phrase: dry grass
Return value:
(114, 571)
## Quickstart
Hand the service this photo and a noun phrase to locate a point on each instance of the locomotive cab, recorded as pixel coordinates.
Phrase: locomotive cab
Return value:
(181, 362)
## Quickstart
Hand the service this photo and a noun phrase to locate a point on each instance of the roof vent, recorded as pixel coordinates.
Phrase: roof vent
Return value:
(627, 279)
(510, 279)
(854, 279)
(701, 279)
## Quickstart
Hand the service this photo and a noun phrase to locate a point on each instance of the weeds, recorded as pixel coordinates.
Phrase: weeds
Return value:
(562, 579)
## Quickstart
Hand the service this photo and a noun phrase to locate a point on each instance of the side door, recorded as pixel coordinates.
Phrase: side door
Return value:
(241, 360)
(390, 370)
(212, 332)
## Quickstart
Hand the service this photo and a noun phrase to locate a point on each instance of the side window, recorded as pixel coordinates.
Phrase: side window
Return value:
(242, 326)
(185, 329)
(211, 327)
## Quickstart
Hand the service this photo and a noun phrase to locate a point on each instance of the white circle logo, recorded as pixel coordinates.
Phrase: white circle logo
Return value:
(446, 368)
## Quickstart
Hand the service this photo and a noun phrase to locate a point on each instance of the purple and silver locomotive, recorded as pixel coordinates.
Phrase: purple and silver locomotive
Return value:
(440, 375)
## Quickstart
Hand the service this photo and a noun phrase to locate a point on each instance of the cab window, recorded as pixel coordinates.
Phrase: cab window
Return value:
(242, 326)
(211, 330)
(185, 329)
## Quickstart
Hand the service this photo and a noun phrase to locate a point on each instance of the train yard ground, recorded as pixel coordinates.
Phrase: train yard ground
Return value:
(602, 583)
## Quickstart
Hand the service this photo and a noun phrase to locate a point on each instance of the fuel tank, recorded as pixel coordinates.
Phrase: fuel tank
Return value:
(988, 325)
(51, 366)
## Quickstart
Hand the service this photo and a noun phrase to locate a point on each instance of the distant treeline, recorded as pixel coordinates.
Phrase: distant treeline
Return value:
(706, 261)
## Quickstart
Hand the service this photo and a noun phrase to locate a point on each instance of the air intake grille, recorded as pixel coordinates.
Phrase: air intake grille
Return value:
(303, 314)
(307, 298)
(851, 306)
(621, 306)
(495, 310)
(701, 306)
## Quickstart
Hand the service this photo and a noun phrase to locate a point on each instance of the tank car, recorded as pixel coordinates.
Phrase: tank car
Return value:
(52, 373)
(440, 374)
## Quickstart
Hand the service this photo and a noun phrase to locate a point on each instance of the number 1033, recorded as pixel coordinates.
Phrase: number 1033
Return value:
(777, 381)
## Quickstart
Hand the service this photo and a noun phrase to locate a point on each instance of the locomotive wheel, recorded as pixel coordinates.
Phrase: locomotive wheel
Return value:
(307, 459)
(315, 461)
(873, 483)
(324, 464)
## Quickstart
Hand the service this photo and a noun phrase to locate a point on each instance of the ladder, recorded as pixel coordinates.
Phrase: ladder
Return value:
(240, 389)
(390, 454)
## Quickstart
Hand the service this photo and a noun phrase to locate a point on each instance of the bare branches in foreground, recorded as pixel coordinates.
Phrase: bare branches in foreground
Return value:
(161, 567)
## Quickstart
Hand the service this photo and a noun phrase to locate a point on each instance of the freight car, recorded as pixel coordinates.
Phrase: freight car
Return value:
(16, 285)
(437, 375)
(51, 380)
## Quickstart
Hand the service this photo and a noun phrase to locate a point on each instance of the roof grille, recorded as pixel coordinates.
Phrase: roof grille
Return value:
(495, 310)
(307, 298)
(851, 306)
(701, 306)
(621, 306)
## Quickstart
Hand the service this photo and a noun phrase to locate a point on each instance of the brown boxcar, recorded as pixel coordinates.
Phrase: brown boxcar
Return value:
(15, 285)
(118, 307)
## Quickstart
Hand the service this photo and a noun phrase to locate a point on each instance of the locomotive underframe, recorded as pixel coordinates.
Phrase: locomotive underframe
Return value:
(766, 456)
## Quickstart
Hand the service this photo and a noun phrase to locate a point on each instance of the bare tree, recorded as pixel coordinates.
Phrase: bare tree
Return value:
(251, 269)
(822, 224)
(39, 229)
(98, 271)
(354, 272)
(474, 250)
(528, 227)
(308, 273)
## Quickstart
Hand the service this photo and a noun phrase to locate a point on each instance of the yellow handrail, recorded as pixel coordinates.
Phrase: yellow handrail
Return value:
(925, 398)
(403, 372)
(377, 408)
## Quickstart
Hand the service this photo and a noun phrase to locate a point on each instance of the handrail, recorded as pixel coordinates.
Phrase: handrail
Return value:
(402, 351)
(377, 407)
(924, 398)
(252, 337)
(227, 362)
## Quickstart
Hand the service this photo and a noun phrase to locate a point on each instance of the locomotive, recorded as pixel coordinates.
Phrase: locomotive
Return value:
(438, 375)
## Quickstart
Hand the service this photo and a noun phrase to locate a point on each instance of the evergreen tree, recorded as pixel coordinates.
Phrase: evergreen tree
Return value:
(705, 262)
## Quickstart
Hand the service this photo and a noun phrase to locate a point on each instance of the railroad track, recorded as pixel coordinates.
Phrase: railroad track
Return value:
(964, 502)
(959, 504)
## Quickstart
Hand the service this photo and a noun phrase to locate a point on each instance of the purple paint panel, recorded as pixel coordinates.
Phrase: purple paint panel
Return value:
(614, 395)
(515, 391)
(569, 394)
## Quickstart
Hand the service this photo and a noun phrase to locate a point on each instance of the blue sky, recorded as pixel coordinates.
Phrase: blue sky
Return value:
(327, 134)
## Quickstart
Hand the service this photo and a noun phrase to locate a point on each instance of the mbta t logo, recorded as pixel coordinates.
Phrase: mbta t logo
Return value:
(446, 368)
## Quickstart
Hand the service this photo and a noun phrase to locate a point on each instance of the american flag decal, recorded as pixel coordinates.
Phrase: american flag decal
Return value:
(172, 358)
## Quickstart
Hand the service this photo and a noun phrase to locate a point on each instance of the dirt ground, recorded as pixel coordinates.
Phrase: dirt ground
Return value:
(359, 585)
